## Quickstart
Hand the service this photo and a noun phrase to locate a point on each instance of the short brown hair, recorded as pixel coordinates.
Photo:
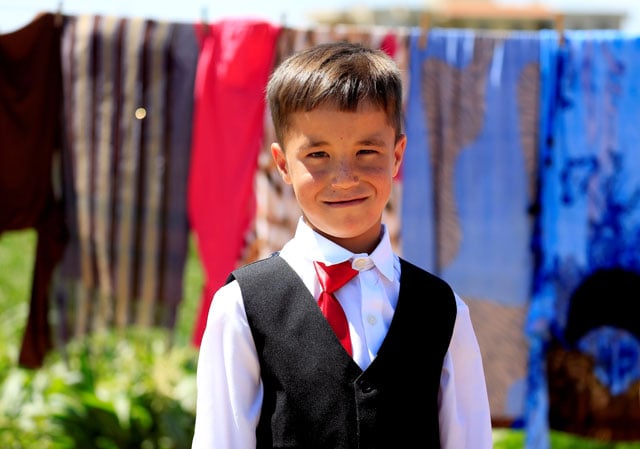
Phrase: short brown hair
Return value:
(343, 74)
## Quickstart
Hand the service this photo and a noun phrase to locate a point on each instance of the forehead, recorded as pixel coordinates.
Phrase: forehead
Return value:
(329, 112)
(328, 123)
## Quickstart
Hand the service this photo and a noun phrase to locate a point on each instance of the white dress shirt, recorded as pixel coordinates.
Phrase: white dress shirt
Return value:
(229, 387)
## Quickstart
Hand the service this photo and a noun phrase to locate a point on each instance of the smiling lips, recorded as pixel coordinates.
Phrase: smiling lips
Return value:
(350, 202)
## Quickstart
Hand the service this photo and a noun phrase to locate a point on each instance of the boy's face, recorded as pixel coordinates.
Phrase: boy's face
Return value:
(341, 167)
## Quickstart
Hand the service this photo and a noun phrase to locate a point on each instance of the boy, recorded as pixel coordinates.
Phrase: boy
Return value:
(406, 370)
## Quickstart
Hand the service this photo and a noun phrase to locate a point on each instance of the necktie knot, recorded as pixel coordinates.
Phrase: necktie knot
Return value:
(334, 277)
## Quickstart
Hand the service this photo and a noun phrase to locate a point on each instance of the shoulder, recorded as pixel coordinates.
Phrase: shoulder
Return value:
(262, 267)
(226, 305)
(415, 280)
(265, 279)
(414, 273)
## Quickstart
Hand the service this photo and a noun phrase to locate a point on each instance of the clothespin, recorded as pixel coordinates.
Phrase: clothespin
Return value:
(560, 28)
(204, 19)
(58, 17)
(425, 25)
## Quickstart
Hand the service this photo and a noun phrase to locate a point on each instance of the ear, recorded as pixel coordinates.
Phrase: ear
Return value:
(281, 161)
(398, 153)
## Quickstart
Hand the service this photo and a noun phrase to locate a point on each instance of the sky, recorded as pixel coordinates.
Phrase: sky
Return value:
(17, 13)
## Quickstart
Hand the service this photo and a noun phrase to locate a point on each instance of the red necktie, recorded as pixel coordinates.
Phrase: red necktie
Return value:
(332, 278)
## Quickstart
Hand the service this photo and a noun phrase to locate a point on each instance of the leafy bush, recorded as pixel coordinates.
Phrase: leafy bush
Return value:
(120, 389)
(114, 390)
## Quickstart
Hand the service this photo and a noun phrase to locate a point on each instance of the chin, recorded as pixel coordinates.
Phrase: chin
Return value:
(345, 229)
(351, 232)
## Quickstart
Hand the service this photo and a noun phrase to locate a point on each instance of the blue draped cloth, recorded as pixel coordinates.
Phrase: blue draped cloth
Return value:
(468, 170)
(589, 203)
(468, 184)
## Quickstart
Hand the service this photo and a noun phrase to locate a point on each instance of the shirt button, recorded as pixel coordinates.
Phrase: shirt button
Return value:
(362, 263)
(371, 320)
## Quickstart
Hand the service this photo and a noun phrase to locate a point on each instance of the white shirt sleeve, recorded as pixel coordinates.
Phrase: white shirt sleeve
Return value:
(465, 419)
(229, 388)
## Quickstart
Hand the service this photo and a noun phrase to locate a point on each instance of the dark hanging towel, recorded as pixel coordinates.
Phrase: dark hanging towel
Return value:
(30, 99)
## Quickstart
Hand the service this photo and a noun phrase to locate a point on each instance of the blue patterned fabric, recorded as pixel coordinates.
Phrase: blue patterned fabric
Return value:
(617, 355)
(468, 170)
(589, 225)
(468, 184)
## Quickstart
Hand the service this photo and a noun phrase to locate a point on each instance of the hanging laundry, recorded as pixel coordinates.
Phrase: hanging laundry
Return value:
(587, 240)
(469, 182)
(234, 62)
(30, 145)
(128, 86)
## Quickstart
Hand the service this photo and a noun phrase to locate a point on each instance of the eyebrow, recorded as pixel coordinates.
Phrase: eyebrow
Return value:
(313, 143)
(374, 140)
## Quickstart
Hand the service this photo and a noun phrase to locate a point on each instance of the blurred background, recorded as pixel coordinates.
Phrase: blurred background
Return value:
(136, 387)
(621, 14)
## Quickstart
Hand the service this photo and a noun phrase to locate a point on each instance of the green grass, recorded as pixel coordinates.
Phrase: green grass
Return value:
(17, 255)
(193, 284)
(17, 250)
(515, 439)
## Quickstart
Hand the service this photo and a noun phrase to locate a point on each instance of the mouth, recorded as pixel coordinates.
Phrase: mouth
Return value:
(347, 202)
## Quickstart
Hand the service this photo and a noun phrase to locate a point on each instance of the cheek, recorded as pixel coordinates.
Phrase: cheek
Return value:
(381, 177)
(377, 172)
(302, 173)
(305, 181)
(296, 175)
(305, 189)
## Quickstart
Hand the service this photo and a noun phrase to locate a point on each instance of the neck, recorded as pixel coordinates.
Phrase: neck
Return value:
(362, 244)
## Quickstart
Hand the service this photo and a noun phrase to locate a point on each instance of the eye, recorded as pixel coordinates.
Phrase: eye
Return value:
(367, 151)
(317, 154)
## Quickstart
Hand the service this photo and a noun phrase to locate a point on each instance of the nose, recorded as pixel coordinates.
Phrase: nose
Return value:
(345, 174)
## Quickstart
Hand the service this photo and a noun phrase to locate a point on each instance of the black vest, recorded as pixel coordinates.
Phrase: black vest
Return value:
(315, 395)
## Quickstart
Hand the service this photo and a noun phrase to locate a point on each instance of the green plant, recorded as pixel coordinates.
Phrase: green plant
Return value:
(126, 388)
(131, 390)
(120, 389)
(17, 255)
(504, 438)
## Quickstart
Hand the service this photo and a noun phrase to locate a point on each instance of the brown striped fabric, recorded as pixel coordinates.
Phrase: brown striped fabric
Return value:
(128, 86)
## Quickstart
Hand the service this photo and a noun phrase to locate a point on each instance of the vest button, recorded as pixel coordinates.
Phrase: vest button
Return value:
(366, 387)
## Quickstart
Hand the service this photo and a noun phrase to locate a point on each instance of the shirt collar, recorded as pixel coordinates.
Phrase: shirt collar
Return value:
(319, 248)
